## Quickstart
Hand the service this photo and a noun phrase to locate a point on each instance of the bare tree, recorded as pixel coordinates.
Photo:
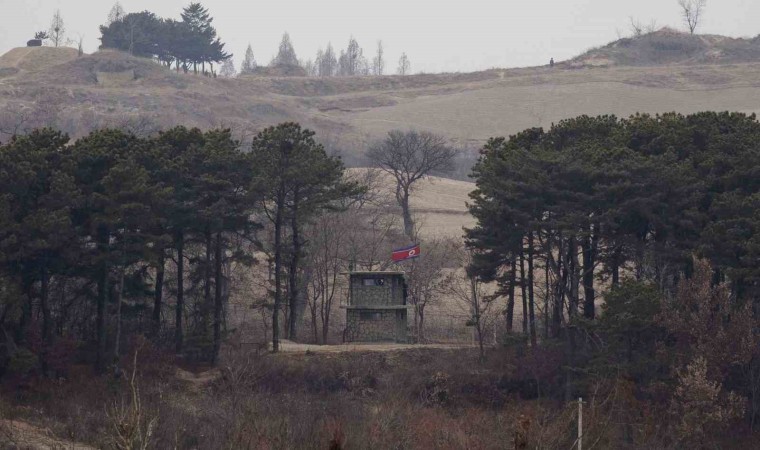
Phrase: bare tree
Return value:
(409, 157)
(228, 69)
(57, 29)
(310, 67)
(691, 11)
(468, 291)
(326, 263)
(249, 62)
(638, 28)
(378, 64)
(426, 278)
(80, 45)
(404, 66)
(326, 62)
(351, 61)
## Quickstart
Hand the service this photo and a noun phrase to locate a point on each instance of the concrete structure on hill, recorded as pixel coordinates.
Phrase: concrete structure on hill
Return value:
(376, 309)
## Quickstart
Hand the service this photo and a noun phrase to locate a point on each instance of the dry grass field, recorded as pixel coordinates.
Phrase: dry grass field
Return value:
(622, 78)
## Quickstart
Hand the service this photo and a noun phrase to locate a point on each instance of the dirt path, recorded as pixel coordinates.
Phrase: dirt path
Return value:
(293, 347)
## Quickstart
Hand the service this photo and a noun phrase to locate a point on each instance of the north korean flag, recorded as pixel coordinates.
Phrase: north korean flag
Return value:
(403, 254)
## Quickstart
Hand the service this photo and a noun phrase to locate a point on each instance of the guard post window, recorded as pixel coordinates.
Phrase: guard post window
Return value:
(373, 282)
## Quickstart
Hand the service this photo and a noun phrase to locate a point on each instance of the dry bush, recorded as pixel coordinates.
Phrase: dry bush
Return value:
(701, 409)
(132, 425)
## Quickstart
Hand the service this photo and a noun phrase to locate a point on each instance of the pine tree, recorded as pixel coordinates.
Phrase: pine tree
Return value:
(286, 55)
(297, 178)
(36, 233)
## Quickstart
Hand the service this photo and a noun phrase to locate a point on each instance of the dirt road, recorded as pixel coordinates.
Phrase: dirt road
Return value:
(293, 347)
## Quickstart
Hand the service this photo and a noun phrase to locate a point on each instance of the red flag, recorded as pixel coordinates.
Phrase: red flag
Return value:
(403, 254)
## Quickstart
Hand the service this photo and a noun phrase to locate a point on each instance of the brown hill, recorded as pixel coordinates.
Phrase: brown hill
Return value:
(668, 46)
(32, 59)
(49, 86)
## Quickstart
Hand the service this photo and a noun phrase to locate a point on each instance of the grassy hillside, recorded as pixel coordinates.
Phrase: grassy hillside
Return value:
(668, 46)
(647, 74)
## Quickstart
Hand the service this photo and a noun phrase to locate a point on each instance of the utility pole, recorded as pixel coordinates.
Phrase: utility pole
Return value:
(580, 423)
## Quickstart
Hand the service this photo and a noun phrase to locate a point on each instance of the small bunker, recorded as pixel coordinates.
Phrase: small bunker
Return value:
(376, 309)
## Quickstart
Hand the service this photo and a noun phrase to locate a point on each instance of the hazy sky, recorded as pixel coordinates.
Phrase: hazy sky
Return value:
(437, 35)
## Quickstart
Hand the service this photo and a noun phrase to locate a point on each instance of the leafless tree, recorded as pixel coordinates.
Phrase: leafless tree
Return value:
(80, 45)
(57, 29)
(352, 61)
(310, 67)
(228, 69)
(249, 62)
(637, 29)
(427, 278)
(468, 292)
(378, 64)
(691, 11)
(326, 62)
(326, 263)
(404, 66)
(409, 157)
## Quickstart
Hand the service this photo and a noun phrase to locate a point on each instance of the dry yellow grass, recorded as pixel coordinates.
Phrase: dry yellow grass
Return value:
(33, 59)
(353, 110)
(439, 205)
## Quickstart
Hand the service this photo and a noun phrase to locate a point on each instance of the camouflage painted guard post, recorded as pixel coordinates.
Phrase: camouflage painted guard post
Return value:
(376, 309)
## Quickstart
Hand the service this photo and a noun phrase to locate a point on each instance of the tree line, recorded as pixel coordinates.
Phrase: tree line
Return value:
(187, 43)
(659, 214)
(98, 234)
(351, 61)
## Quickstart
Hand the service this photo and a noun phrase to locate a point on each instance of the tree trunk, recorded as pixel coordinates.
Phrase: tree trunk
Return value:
(46, 319)
(277, 270)
(206, 309)
(478, 323)
(572, 268)
(589, 260)
(293, 275)
(511, 296)
(559, 294)
(217, 297)
(180, 307)
(531, 302)
(616, 266)
(422, 322)
(314, 323)
(119, 294)
(546, 299)
(403, 196)
(524, 295)
(101, 318)
(100, 362)
(159, 292)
